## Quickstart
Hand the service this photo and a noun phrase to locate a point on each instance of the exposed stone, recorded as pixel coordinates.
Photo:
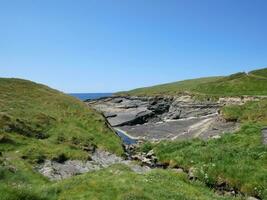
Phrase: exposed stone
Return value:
(100, 159)
(192, 173)
(178, 170)
(150, 154)
(216, 137)
(117, 100)
(109, 115)
(252, 198)
(264, 135)
(157, 118)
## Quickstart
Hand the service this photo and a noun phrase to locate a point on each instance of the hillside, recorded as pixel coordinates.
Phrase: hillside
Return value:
(45, 117)
(252, 83)
(39, 123)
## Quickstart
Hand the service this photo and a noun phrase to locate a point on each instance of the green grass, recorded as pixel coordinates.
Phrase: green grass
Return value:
(253, 83)
(119, 183)
(255, 111)
(44, 123)
(38, 123)
(177, 88)
(237, 160)
(18, 181)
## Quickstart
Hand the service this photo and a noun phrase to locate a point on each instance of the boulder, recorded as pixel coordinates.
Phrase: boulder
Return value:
(252, 198)
(178, 170)
(192, 173)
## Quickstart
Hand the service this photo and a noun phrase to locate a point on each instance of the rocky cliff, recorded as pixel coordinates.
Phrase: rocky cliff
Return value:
(156, 118)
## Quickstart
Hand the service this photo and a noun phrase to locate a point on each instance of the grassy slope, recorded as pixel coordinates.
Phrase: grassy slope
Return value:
(38, 123)
(253, 83)
(239, 160)
(44, 121)
(254, 112)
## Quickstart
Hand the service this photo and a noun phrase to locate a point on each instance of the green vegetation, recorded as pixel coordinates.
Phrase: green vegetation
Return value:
(253, 83)
(254, 111)
(119, 183)
(41, 123)
(237, 161)
(18, 181)
(38, 123)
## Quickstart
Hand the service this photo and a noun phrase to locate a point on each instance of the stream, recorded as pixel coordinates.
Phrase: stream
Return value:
(125, 138)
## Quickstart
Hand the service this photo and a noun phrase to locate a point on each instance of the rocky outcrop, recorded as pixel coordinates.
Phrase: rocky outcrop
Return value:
(156, 118)
(147, 159)
(123, 111)
(100, 159)
(185, 107)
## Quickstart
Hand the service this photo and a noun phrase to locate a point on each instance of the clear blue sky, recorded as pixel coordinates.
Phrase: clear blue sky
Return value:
(111, 45)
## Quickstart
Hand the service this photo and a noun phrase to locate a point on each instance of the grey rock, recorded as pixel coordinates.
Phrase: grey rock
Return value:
(192, 173)
(178, 170)
(157, 118)
(205, 128)
(252, 198)
(109, 115)
(139, 169)
(150, 154)
(123, 111)
(100, 159)
(117, 100)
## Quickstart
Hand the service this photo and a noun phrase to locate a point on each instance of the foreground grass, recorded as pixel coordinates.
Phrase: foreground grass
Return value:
(119, 183)
(19, 182)
(253, 83)
(236, 161)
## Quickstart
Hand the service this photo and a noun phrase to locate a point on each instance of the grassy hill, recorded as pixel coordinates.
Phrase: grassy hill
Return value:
(38, 123)
(47, 123)
(252, 83)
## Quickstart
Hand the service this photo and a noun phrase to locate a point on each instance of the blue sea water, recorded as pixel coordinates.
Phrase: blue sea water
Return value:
(85, 96)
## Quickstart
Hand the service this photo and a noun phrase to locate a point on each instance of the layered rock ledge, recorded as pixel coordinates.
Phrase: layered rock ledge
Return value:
(157, 118)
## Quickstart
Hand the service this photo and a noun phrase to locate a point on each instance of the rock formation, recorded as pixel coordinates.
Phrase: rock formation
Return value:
(156, 118)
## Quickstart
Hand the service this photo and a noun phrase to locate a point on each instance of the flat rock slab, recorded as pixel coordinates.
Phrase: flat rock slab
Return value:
(122, 111)
(100, 159)
(204, 128)
(264, 135)
(164, 118)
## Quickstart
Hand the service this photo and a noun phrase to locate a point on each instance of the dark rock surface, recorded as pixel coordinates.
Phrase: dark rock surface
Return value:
(156, 118)
(123, 111)
(205, 127)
